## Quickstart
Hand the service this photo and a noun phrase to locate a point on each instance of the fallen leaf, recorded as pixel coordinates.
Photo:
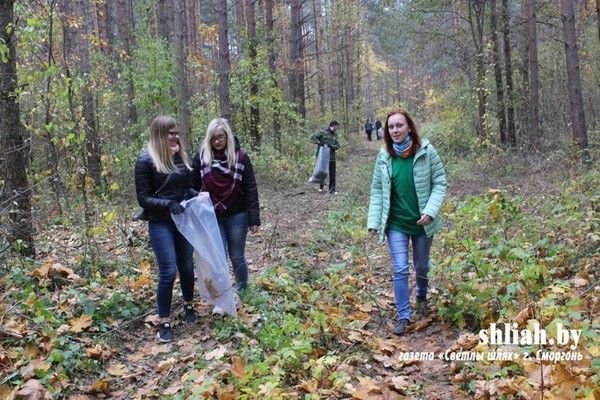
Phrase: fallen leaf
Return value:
(215, 354)
(238, 368)
(31, 390)
(79, 324)
(28, 371)
(100, 386)
(400, 383)
(118, 370)
(166, 364)
(174, 388)
(525, 315)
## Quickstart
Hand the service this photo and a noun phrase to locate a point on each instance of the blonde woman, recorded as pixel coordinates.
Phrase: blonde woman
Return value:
(162, 181)
(224, 170)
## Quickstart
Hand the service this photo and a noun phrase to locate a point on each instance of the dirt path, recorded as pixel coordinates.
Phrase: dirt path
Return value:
(290, 216)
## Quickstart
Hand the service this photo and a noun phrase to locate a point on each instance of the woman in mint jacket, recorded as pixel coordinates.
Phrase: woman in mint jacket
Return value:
(408, 188)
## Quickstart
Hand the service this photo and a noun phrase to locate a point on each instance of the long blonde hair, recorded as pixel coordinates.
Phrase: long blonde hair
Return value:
(218, 125)
(158, 145)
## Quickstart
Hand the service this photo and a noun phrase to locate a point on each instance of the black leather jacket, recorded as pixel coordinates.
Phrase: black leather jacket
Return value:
(148, 180)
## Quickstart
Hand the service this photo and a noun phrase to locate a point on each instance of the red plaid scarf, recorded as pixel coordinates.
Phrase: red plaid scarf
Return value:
(223, 183)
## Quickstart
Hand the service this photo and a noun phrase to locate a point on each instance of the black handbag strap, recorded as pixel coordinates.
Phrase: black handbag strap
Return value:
(162, 186)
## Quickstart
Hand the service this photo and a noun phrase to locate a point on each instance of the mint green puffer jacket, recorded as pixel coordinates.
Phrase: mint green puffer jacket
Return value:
(430, 185)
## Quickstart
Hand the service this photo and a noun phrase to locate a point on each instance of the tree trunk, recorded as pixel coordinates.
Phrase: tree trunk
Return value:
(254, 110)
(477, 8)
(52, 154)
(238, 26)
(276, 125)
(183, 91)
(320, 70)
(125, 26)
(296, 76)
(523, 99)
(500, 111)
(92, 138)
(193, 21)
(598, 17)
(510, 100)
(15, 196)
(223, 68)
(534, 80)
(165, 20)
(573, 77)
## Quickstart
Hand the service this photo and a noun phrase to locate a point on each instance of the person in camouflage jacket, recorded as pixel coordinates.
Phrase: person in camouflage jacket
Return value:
(328, 137)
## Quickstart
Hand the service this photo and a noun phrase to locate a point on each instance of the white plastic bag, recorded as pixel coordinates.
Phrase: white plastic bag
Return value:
(321, 166)
(198, 224)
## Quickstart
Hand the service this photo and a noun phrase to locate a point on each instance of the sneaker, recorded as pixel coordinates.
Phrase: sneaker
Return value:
(421, 306)
(189, 315)
(320, 190)
(400, 329)
(165, 333)
(218, 311)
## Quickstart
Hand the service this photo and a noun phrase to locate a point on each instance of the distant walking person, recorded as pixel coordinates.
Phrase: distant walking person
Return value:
(378, 130)
(407, 191)
(224, 170)
(328, 137)
(162, 181)
(368, 129)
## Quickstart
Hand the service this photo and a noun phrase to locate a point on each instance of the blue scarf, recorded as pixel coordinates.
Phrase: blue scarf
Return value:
(404, 145)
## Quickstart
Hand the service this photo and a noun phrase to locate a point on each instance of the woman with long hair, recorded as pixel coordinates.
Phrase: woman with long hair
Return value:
(224, 170)
(162, 181)
(407, 191)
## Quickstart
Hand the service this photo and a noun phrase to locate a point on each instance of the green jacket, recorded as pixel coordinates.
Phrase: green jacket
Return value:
(327, 137)
(430, 185)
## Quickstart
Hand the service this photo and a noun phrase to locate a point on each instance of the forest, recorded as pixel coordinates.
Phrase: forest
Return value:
(508, 92)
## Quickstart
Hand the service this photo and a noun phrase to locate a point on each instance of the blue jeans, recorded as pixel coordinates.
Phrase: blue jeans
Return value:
(173, 253)
(234, 229)
(398, 246)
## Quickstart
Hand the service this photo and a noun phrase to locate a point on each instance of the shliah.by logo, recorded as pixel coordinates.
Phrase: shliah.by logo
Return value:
(509, 334)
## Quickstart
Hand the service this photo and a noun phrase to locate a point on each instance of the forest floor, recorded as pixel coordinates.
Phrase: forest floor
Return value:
(317, 318)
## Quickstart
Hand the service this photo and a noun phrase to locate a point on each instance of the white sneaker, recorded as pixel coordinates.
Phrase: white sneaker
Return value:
(320, 190)
(218, 311)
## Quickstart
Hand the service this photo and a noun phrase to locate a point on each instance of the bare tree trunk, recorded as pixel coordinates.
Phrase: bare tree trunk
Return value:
(125, 26)
(276, 125)
(92, 138)
(534, 80)
(192, 26)
(500, 112)
(183, 90)
(238, 17)
(15, 195)
(598, 17)
(574, 79)
(254, 110)
(512, 137)
(296, 76)
(524, 106)
(477, 7)
(320, 70)
(165, 20)
(52, 154)
(223, 68)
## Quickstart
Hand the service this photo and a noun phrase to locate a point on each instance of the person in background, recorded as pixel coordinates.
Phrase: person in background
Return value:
(368, 129)
(224, 170)
(162, 181)
(378, 130)
(407, 191)
(328, 137)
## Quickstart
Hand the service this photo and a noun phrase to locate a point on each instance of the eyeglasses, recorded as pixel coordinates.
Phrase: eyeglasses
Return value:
(174, 132)
(216, 138)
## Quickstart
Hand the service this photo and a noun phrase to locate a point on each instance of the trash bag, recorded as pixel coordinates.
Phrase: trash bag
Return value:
(321, 166)
(198, 224)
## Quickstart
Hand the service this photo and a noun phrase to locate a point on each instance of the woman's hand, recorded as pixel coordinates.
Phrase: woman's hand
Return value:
(425, 220)
(253, 228)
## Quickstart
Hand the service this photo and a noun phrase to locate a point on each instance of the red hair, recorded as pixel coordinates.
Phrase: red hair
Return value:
(413, 133)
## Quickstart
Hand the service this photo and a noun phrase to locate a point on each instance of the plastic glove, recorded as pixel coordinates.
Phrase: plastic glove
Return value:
(176, 208)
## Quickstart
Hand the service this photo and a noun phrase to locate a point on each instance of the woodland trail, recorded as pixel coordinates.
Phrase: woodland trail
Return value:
(290, 217)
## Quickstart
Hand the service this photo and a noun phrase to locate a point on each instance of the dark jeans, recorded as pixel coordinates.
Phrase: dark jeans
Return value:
(331, 177)
(173, 253)
(234, 229)
(369, 133)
